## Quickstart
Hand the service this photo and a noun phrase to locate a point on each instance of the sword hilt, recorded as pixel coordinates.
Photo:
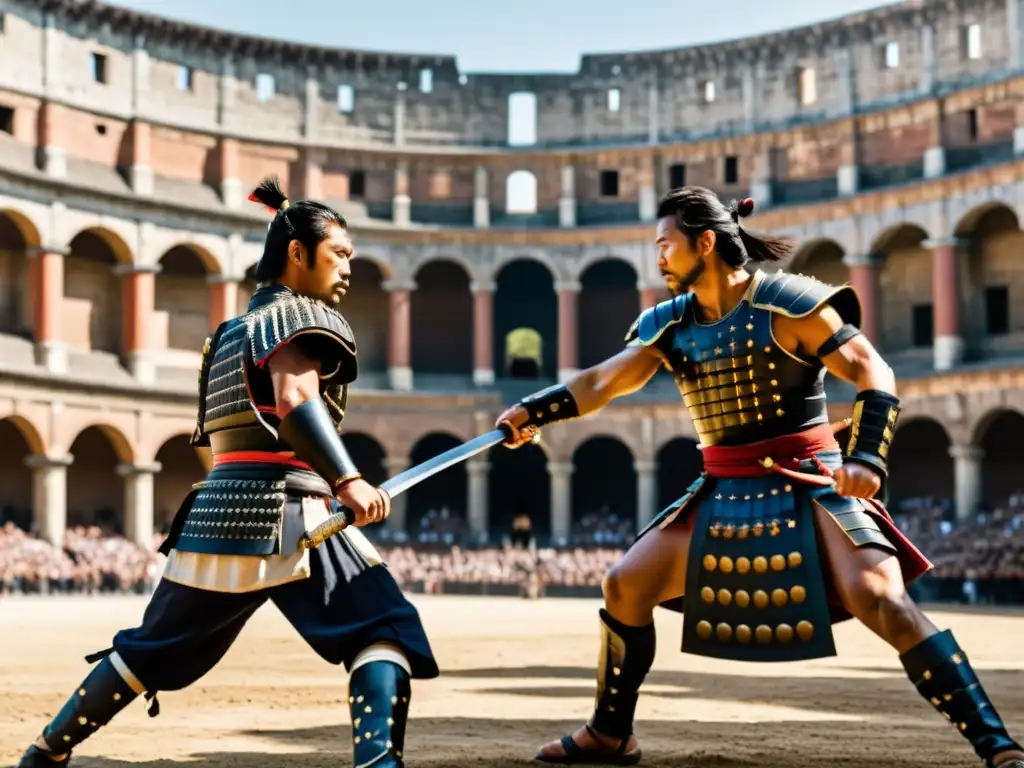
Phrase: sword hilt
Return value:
(334, 524)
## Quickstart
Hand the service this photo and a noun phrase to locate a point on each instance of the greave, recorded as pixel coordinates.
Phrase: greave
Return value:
(939, 668)
(101, 695)
(624, 661)
(379, 694)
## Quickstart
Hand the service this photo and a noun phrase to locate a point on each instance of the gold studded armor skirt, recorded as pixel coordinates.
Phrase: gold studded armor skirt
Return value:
(756, 588)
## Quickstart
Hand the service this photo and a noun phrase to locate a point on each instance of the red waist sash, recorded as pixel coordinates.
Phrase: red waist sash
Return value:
(778, 455)
(259, 457)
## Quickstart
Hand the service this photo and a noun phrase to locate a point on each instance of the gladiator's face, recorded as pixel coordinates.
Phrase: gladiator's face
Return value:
(328, 278)
(681, 263)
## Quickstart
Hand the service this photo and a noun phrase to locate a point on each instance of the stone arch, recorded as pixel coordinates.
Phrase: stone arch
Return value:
(442, 319)
(366, 307)
(438, 504)
(679, 463)
(509, 258)
(181, 319)
(384, 267)
(98, 496)
(17, 235)
(18, 441)
(521, 193)
(993, 279)
(998, 436)
(905, 297)
(369, 455)
(608, 304)
(518, 482)
(91, 310)
(604, 490)
(821, 258)
(181, 465)
(525, 298)
(920, 465)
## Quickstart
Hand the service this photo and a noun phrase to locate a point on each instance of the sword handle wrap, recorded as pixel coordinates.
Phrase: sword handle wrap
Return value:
(334, 524)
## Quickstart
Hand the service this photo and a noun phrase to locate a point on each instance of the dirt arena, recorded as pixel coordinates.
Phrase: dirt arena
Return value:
(515, 673)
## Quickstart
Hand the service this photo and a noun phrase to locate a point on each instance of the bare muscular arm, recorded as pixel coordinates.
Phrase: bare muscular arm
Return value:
(595, 387)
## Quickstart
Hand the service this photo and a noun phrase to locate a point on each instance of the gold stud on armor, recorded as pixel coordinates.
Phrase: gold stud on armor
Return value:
(704, 630)
(725, 564)
(760, 564)
(82, 721)
(779, 597)
(761, 599)
(795, 559)
(67, 738)
(743, 634)
(927, 674)
(707, 594)
(724, 596)
(81, 691)
(763, 634)
(778, 563)
(798, 594)
(710, 562)
(728, 531)
(742, 565)
(742, 598)
(805, 630)
(758, 529)
(784, 633)
(724, 632)
(117, 697)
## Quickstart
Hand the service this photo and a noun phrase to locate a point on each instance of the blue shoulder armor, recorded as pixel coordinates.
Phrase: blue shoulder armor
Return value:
(654, 321)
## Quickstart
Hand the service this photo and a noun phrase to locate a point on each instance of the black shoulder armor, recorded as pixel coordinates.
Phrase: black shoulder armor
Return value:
(799, 295)
(654, 321)
(290, 316)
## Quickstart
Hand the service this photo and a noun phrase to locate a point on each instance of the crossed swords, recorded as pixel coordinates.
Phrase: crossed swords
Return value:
(403, 481)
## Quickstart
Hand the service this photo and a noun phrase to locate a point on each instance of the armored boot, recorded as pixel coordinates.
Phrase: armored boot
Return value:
(379, 694)
(625, 659)
(101, 695)
(939, 669)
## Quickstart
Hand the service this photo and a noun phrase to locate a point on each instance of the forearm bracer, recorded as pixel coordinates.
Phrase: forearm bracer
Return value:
(549, 406)
(309, 431)
(874, 423)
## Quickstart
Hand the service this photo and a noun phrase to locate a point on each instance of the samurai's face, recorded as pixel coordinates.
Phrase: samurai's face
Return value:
(326, 275)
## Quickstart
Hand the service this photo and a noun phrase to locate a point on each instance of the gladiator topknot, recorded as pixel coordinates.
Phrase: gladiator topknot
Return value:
(785, 531)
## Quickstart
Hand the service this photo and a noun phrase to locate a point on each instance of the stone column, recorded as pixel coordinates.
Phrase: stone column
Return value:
(228, 168)
(399, 115)
(1014, 26)
(483, 333)
(929, 56)
(478, 513)
(567, 202)
(568, 329)
(481, 199)
(138, 501)
(140, 171)
(948, 343)
(647, 199)
(653, 107)
(310, 105)
(138, 303)
(561, 499)
(399, 504)
(312, 173)
(399, 333)
(46, 276)
(865, 271)
(50, 495)
(967, 479)
(223, 299)
(761, 181)
(646, 491)
(401, 203)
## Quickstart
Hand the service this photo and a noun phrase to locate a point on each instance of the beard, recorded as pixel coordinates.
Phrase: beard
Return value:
(685, 282)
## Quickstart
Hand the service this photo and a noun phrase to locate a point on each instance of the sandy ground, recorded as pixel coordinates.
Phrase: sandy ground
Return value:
(514, 674)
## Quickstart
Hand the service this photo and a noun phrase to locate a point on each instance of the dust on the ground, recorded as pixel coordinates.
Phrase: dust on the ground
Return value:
(515, 674)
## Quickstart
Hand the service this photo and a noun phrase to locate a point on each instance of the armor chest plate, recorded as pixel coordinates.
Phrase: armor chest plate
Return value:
(738, 384)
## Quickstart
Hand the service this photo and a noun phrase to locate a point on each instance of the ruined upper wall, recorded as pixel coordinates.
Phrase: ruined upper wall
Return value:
(123, 64)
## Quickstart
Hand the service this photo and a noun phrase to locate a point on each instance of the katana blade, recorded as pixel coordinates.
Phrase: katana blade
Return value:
(403, 481)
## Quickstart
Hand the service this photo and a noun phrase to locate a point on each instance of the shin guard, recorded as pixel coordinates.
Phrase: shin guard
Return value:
(101, 695)
(939, 668)
(625, 659)
(379, 694)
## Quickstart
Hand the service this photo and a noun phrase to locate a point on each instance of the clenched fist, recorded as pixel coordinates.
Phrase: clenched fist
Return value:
(514, 418)
(371, 505)
(857, 481)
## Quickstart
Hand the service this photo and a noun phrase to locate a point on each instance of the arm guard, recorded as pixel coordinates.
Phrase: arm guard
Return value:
(549, 406)
(309, 431)
(874, 422)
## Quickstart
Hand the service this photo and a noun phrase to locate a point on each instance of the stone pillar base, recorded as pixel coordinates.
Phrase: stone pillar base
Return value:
(140, 178)
(948, 352)
(567, 212)
(54, 161)
(481, 213)
(400, 378)
(401, 210)
(231, 193)
(848, 180)
(483, 377)
(53, 356)
(141, 366)
(934, 162)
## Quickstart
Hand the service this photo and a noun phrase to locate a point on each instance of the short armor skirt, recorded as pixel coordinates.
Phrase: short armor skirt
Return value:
(343, 607)
(756, 585)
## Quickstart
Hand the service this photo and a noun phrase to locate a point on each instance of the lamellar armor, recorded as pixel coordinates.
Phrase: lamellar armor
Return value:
(239, 508)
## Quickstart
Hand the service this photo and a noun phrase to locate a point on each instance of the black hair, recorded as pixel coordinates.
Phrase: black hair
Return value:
(307, 221)
(697, 210)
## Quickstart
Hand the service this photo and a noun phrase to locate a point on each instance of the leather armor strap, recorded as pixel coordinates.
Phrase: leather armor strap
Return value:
(837, 339)
(310, 433)
(940, 671)
(549, 406)
(874, 422)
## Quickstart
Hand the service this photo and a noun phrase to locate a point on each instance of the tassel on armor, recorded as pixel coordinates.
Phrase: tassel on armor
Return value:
(627, 654)
(379, 694)
(939, 669)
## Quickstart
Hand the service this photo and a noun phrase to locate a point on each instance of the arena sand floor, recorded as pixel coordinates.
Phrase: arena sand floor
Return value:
(515, 674)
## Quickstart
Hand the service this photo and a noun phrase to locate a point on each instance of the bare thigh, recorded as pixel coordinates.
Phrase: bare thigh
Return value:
(651, 572)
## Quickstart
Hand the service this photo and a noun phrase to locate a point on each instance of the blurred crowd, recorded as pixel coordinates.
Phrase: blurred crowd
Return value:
(96, 559)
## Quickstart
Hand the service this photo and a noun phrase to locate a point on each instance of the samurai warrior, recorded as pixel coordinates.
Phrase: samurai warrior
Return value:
(273, 387)
(784, 532)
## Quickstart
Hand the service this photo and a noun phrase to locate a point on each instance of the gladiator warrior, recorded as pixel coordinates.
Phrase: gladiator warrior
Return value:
(784, 532)
(273, 386)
